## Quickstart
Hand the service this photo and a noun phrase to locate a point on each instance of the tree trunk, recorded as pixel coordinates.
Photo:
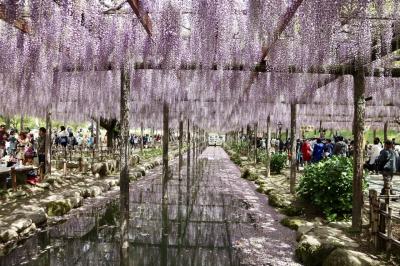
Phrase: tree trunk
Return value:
(358, 126)
(385, 131)
(374, 134)
(124, 175)
(268, 147)
(110, 126)
(293, 161)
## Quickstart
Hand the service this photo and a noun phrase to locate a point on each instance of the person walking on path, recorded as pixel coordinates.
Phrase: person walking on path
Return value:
(387, 161)
(306, 151)
(341, 148)
(318, 152)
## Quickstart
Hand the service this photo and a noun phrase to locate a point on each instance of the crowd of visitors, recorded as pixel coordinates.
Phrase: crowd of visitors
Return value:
(148, 141)
(379, 157)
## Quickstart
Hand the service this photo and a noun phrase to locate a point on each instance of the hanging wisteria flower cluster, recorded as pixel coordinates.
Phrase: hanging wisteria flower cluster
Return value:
(200, 58)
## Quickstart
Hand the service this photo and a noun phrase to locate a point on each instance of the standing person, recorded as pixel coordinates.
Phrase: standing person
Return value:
(132, 141)
(299, 157)
(63, 137)
(340, 148)
(41, 149)
(306, 151)
(387, 161)
(72, 140)
(318, 152)
(373, 155)
(328, 149)
(3, 139)
(12, 144)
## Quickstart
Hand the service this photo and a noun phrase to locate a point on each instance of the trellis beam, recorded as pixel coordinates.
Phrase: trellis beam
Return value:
(142, 15)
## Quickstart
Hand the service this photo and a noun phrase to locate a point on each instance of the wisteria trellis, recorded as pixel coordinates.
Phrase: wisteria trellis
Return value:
(76, 39)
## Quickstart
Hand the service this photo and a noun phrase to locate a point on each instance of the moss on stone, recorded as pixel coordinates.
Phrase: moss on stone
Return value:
(58, 208)
(311, 252)
(292, 223)
(277, 200)
(293, 211)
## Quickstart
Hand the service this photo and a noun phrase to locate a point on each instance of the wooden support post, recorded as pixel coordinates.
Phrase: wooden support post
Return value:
(381, 243)
(194, 144)
(21, 123)
(385, 131)
(268, 147)
(48, 143)
(358, 128)
(141, 137)
(180, 147)
(98, 144)
(293, 161)
(255, 142)
(124, 174)
(188, 162)
(374, 134)
(165, 142)
(248, 132)
(287, 134)
(13, 174)
(321, 134)
(65, 168)
(389, 232)
(374, 215)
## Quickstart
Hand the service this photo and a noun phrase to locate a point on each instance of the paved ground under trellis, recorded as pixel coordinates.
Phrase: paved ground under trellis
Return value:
(213, 217)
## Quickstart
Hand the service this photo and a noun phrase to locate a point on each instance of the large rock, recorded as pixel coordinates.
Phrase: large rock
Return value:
(311, 251)
(346, 257)
(36, 214)
(58, 207)
(7, 235)
(316, 243)
(74, 198)
(99, 168)
(20, 224)
(134, 160)
(28, 231)
(95, 191)
(111, 166)
(72, 165)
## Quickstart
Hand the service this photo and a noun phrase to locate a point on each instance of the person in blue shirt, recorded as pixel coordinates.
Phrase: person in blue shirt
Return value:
(318, 152)
(328, 149)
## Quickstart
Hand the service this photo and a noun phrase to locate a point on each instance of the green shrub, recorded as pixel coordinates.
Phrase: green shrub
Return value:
(328, 185)
(240, 147)
(249, 175)
(278, 162)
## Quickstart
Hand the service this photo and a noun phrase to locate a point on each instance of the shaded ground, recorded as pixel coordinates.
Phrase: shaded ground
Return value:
(212, 217)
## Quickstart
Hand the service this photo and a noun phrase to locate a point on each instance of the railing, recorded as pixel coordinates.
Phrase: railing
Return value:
(383, 217)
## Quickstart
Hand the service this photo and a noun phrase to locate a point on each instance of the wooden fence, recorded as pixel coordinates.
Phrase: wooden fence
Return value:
(384, 217)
